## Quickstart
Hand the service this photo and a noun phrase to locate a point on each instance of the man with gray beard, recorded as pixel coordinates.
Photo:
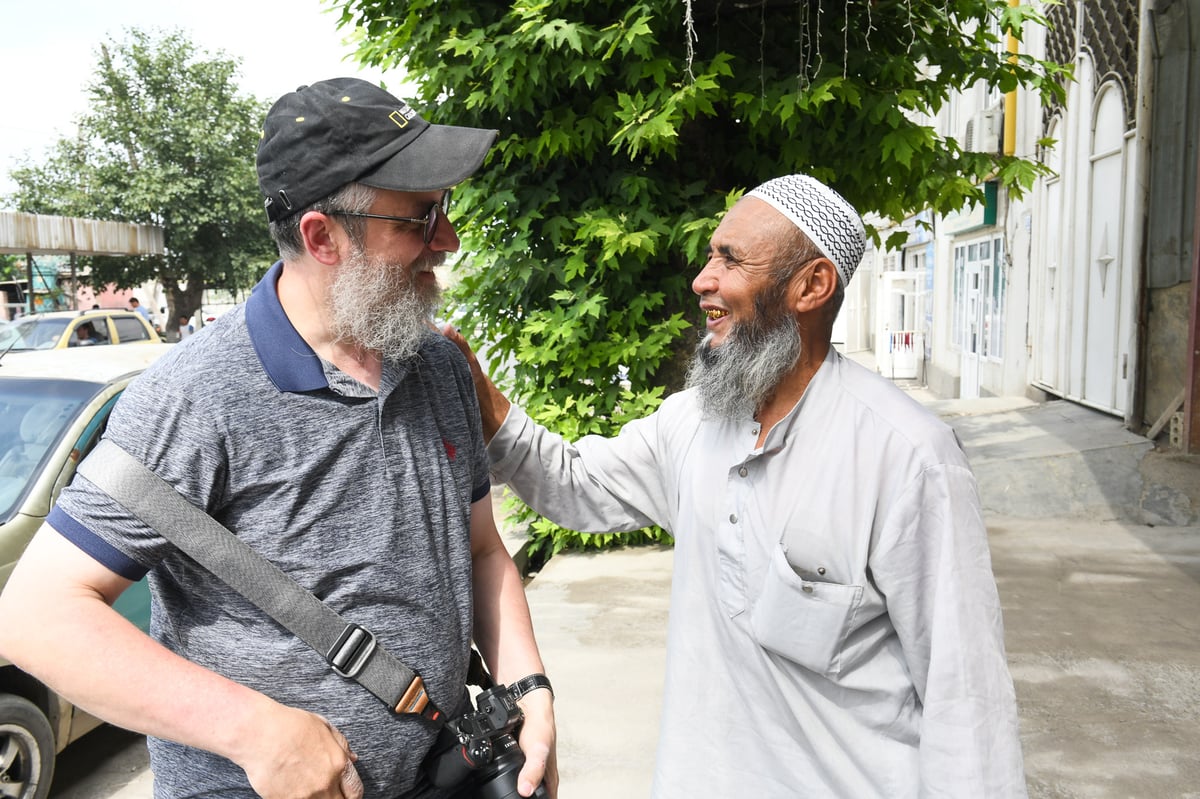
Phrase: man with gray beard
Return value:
(331, 429)
(835, 628)
(376, 303)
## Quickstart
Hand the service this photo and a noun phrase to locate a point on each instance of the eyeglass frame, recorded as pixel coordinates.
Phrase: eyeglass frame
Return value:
(437, 211)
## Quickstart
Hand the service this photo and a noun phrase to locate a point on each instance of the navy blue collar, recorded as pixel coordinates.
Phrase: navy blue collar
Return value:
(286, 357)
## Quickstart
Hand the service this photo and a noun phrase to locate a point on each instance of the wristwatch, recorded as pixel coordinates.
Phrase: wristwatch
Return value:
(531, 683)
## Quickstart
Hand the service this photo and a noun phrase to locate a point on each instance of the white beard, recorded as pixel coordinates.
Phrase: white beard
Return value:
(736, 378)
(375, 304)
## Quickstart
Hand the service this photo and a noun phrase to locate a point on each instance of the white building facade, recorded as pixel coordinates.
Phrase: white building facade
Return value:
(1079, 288)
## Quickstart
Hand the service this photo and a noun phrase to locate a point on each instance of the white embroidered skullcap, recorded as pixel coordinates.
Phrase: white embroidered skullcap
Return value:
(822, 214)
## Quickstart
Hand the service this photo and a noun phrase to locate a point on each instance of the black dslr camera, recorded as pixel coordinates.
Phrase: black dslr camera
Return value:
(479, 750)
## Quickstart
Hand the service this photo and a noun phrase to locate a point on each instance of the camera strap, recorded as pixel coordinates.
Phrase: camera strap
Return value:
(351, 650)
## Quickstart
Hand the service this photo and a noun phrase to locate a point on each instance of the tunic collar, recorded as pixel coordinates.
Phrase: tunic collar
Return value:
(818, 388)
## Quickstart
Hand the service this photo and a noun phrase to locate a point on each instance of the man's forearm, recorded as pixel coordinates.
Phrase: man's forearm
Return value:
(71, 638)
(503, 631)
(60, 626)
(503, 628)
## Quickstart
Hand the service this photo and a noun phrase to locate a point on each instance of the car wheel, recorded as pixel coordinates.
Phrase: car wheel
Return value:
(26, 749)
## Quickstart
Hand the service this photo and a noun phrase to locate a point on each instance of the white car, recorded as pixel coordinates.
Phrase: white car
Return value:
(54, 405)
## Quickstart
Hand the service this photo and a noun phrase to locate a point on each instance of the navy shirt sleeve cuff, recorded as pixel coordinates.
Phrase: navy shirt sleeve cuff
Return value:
(105, 553)
(481, 491)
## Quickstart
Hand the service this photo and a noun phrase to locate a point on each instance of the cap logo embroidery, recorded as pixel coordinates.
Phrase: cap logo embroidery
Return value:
(402, 115)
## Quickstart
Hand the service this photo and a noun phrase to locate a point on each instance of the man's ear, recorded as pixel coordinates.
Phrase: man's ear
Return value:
(813, 287)
(323, 238)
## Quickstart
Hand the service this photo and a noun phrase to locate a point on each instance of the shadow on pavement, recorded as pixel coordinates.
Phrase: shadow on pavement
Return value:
(1101, 629)
(100, 763)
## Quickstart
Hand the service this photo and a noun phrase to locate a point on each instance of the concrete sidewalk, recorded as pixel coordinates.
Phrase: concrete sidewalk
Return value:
(601, 621)
(1101, 627)
(1102, 631)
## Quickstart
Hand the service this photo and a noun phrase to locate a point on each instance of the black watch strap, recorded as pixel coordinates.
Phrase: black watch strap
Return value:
(531, 683)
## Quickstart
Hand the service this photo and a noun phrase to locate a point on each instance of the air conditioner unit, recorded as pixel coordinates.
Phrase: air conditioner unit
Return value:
(984, 130)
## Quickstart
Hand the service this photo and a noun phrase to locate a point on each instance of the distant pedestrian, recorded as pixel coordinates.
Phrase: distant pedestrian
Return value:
(185, 328)
(136, 305)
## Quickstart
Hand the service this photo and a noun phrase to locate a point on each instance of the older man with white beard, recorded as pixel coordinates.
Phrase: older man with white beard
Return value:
(835, 629)
(332, 430)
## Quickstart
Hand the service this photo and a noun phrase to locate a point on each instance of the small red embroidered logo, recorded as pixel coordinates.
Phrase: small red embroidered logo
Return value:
(450, 450)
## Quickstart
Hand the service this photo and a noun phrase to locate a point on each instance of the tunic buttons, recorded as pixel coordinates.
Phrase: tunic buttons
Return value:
(820, 570)
(743, 471)
(733, 518)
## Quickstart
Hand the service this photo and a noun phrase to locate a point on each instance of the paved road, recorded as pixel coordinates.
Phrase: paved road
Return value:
(107, 763)
(1101, 627)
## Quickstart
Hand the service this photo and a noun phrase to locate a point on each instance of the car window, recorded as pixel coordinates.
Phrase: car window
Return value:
(130, 329)
(89, 333)
(33, 415)
(34, 333)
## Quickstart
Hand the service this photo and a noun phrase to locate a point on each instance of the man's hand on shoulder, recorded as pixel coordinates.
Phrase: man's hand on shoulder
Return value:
(493, 405)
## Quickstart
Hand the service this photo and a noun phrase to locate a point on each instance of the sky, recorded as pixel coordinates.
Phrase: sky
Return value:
(48, 51)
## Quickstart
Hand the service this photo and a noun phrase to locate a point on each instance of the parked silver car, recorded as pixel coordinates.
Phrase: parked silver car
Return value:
(54, 406)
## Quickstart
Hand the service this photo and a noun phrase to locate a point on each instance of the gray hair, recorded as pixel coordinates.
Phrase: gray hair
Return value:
(353, 197)
(793, 253)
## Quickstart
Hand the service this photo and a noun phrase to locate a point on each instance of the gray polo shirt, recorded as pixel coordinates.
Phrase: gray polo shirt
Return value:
(363, 498)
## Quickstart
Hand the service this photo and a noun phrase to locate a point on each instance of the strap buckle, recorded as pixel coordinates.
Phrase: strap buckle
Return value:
(350, 653)
(415, 700)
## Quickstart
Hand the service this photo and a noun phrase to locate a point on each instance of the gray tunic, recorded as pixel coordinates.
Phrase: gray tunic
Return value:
(835, 628)
(362, 498)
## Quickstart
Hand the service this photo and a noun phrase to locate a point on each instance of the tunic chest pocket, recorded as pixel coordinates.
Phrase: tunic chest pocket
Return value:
(804, 621)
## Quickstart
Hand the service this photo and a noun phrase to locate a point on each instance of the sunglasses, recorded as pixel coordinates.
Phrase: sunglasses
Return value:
(437, 212)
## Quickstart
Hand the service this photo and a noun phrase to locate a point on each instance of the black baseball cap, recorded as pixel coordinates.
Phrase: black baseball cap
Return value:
(319, 138)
